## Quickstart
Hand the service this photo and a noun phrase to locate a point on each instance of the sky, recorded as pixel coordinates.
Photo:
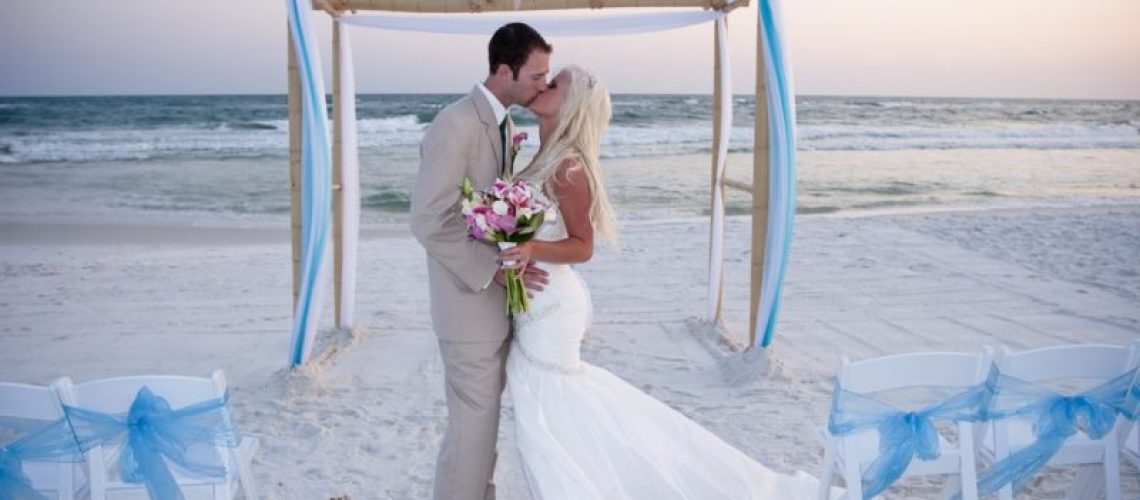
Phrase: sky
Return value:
(1080, 49)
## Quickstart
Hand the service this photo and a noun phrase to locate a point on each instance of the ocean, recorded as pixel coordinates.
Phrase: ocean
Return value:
(226, 156)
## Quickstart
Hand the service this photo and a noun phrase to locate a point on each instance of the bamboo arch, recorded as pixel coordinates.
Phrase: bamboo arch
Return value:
(759, 188)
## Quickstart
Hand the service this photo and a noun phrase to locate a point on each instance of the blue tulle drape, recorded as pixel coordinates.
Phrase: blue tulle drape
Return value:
(903, 435)
(1055, 418)
(316, 181)
(154, 436)
(35, 441)
(1132, 405)
(781, 169)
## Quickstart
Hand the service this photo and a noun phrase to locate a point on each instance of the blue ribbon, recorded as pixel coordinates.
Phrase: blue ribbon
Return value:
(782, 171)
(49, 442)
(13, 483)
(903, 435)
(316, 181)
(1132, 405)
(155, 435)
(1055, 417)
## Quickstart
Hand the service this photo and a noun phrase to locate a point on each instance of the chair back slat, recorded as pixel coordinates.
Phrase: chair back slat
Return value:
(115, 395)
(935, 369)
(29, 402)
(1092, 361)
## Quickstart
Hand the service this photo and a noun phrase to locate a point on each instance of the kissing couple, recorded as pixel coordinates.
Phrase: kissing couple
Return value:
(582, 432)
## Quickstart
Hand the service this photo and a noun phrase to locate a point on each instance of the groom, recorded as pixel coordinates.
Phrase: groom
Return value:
(468, 139)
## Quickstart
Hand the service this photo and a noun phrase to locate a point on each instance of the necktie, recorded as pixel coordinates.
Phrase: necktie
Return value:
(503, 137)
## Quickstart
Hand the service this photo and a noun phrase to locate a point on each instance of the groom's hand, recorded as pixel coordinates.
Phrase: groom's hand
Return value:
(535, 279)
(500, 279)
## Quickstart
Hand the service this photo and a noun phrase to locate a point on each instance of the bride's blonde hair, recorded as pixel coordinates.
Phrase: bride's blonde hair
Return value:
(582, 118)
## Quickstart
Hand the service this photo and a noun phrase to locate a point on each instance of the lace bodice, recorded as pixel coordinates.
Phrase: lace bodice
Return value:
(552, 231)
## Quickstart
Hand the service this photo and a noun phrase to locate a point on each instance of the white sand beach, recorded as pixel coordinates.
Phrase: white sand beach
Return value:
(110, 299)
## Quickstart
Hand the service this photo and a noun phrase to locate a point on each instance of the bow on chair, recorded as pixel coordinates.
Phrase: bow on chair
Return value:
(1055, 418)
(154, 436)
(13, 483)
(1132, 406)
(52, 441)
(903, 435)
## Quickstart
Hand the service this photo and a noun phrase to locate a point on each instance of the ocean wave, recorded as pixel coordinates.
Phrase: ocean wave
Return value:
(388, 199)
(251, 126)
(401, 135)
(403, 123)
(1034, 136)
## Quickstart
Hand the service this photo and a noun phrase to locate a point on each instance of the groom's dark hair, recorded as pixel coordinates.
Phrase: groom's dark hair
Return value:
(512, 45)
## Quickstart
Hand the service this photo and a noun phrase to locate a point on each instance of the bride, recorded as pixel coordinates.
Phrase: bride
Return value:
(582, 432)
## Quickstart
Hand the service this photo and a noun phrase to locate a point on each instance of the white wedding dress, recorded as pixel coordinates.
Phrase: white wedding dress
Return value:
(585, 434)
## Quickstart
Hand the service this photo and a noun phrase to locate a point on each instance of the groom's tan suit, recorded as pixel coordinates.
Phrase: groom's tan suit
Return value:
(468, 311)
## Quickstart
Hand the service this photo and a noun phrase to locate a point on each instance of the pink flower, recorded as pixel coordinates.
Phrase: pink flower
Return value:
(502, 223)
(518, 139)
(519, 196)
(499, 189)
(476, 232)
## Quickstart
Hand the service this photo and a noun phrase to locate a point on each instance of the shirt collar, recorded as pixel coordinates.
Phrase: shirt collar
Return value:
(496, 106)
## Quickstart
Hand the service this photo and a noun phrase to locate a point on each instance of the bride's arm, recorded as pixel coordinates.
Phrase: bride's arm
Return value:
(572, 189)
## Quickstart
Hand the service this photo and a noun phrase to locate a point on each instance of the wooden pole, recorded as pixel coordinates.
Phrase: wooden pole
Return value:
(294, 77)
(715, 183)
(338, 173)
(760, 181)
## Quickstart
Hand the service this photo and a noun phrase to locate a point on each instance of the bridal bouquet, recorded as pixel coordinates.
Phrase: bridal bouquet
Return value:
(507, 214)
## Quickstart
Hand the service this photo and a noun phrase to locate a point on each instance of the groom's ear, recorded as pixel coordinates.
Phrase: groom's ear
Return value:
(503, 70)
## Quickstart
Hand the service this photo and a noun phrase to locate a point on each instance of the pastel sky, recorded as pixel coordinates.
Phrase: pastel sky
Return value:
(1087, 49)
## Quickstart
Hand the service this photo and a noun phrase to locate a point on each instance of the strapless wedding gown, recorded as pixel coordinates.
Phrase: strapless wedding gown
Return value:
(586, 434)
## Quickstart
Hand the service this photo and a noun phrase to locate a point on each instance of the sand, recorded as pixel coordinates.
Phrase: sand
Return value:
(96, 300)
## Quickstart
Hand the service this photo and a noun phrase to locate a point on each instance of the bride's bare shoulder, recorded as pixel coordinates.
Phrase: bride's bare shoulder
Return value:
(568, 169)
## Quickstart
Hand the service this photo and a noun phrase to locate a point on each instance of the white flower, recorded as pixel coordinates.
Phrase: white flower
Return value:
(500, 207)
(481, 221)
(524, 212)
(466, 207)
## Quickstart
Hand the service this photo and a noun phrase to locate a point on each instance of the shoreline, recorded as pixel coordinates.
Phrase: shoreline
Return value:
(839, 183)
(107, 234)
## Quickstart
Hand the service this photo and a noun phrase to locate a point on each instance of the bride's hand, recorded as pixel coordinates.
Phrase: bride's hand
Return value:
(516, 258)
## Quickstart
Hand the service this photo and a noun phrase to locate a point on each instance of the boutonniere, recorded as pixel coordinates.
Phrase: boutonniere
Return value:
(516, 145)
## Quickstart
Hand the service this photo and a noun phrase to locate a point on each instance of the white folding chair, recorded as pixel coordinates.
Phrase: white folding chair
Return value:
(36, 406)
(1130, 437)
(1067, 369)
(1132, 443)
(115, 396)
(946, 374)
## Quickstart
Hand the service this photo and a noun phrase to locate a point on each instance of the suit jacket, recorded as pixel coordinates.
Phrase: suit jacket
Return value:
(462, 142)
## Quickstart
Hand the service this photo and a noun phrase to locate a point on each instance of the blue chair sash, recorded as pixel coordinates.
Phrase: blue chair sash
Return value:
(1055, 417)
(1132, 405)
(903, 435)
(154, 435)
(45, 441)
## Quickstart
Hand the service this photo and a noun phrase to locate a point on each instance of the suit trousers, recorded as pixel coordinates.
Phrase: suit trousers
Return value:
(474, 377)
